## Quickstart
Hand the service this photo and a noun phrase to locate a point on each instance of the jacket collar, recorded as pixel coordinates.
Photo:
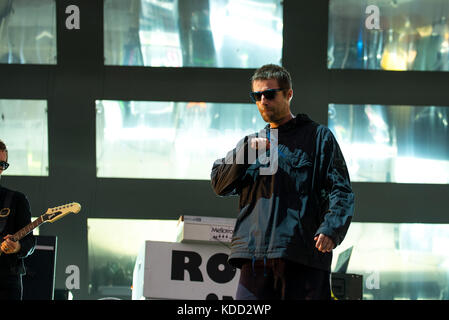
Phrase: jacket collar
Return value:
(299, 120)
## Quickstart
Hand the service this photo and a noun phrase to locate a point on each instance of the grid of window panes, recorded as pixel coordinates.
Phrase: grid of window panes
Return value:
(389, 35)
(180, 140)
(169, 140)
(393, 143)
(28, 32)
(200, 33)
(24, 130)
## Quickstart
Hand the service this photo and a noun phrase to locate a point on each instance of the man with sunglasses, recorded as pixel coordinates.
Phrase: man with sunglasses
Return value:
(290, 220)
(14, 215)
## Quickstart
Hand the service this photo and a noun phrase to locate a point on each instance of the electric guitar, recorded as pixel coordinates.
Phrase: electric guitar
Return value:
(51, 215)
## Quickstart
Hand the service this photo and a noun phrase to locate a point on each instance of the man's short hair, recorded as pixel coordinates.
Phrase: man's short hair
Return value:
(273, 71)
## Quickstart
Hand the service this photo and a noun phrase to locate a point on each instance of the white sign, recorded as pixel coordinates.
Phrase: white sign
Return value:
(168, 270)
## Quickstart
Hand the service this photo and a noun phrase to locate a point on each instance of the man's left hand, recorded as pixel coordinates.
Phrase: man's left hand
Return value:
(9, 246)
(324, 243)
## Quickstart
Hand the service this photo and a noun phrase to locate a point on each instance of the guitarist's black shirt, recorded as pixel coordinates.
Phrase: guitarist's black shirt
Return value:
(19, 216)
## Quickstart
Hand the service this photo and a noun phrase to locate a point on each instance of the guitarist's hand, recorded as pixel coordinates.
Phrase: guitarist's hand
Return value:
(8, 246)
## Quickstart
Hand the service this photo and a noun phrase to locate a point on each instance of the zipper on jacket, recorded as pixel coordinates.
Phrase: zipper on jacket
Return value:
(252, 264)
(264, 266)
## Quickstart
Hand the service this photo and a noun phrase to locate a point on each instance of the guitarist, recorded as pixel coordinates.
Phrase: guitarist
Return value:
(14, 214)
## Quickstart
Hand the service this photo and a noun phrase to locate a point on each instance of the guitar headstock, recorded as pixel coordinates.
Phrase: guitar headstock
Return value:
(56, 213)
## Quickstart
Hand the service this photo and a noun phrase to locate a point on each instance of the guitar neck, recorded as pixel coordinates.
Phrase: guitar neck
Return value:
(27, 229)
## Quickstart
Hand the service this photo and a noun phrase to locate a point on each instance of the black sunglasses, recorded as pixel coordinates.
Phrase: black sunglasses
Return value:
(268, 94)
(4, 165)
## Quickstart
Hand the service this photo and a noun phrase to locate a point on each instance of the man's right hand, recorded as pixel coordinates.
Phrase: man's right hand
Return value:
(324, 243)
(260, 143)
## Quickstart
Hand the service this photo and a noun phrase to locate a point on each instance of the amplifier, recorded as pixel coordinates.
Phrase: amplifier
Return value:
(205, 229)
(347, 286)
(39, 281)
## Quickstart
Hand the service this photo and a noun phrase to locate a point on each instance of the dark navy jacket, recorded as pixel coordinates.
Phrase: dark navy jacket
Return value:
(280, 214)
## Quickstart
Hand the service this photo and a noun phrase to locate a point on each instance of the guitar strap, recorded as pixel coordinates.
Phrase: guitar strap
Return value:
(5, 205)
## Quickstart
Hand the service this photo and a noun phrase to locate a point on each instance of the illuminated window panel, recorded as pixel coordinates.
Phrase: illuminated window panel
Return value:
(402, 144)
(24, 130)
(28, 32)
(399, 261)
(201, 33)
(112, 258)
(408, 35)
(169, 140)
